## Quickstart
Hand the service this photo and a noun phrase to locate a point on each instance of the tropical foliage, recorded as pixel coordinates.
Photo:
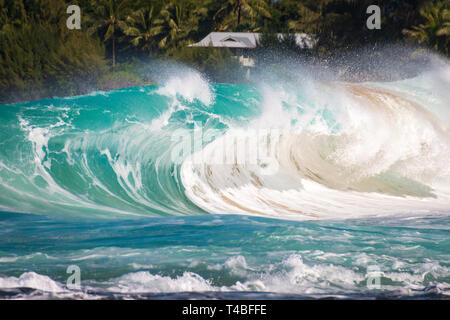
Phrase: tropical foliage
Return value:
(39, 56)
(435, 31)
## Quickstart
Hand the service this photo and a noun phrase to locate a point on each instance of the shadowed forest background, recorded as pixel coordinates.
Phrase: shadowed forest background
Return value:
(40, 57)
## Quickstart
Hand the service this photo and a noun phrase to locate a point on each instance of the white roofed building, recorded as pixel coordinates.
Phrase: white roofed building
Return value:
(240, 42)
(245, 40)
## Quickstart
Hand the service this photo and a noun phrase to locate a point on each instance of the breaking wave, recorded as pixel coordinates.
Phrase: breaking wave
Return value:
(303, 149)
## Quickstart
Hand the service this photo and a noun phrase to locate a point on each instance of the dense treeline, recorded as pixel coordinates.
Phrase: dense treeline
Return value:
(40, 56)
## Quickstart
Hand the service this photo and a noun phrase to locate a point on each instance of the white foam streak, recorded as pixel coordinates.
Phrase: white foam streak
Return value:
(191, 86)
(293, 275)
(31, 280)
(143, 282)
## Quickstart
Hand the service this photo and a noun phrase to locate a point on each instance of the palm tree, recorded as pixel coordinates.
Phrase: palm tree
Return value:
(144, 26)
(112, 15)
(435, 31)
(233, 10)
(179, 19)
(308, 17)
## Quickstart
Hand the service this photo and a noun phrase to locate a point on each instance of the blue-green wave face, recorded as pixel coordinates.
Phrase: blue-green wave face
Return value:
(304, 150)
(110, 153)
(174, 187)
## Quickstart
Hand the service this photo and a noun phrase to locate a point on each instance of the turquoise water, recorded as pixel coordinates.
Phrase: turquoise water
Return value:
(160, 191)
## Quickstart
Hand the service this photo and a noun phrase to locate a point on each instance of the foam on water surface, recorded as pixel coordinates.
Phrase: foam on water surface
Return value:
(202, 169)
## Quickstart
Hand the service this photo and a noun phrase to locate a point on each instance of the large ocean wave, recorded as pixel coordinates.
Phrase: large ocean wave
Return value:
(302, 149)
(140, 187)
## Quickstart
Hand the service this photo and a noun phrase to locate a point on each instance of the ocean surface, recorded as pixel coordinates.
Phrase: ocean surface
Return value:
(192, 189)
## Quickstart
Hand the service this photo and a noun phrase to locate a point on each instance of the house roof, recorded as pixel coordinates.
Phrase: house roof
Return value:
(244, 40)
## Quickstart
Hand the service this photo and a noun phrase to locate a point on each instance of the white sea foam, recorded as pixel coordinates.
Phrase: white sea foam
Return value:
(142, 282)
(384, 154)
(292, 275)
(31, 280)
(190, 86)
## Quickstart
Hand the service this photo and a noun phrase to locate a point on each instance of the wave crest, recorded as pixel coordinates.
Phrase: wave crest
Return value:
(363, 150)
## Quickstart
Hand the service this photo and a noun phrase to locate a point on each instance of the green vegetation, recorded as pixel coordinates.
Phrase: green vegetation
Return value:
(40, 57)
(435, 32)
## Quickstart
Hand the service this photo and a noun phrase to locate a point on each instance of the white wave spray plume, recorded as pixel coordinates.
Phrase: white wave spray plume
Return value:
(345, 150)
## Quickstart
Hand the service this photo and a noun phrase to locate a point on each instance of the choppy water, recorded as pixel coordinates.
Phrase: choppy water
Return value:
(193, 189)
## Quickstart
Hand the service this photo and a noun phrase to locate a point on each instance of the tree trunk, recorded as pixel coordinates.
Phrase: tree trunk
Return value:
(239, 14)
(113, 51)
